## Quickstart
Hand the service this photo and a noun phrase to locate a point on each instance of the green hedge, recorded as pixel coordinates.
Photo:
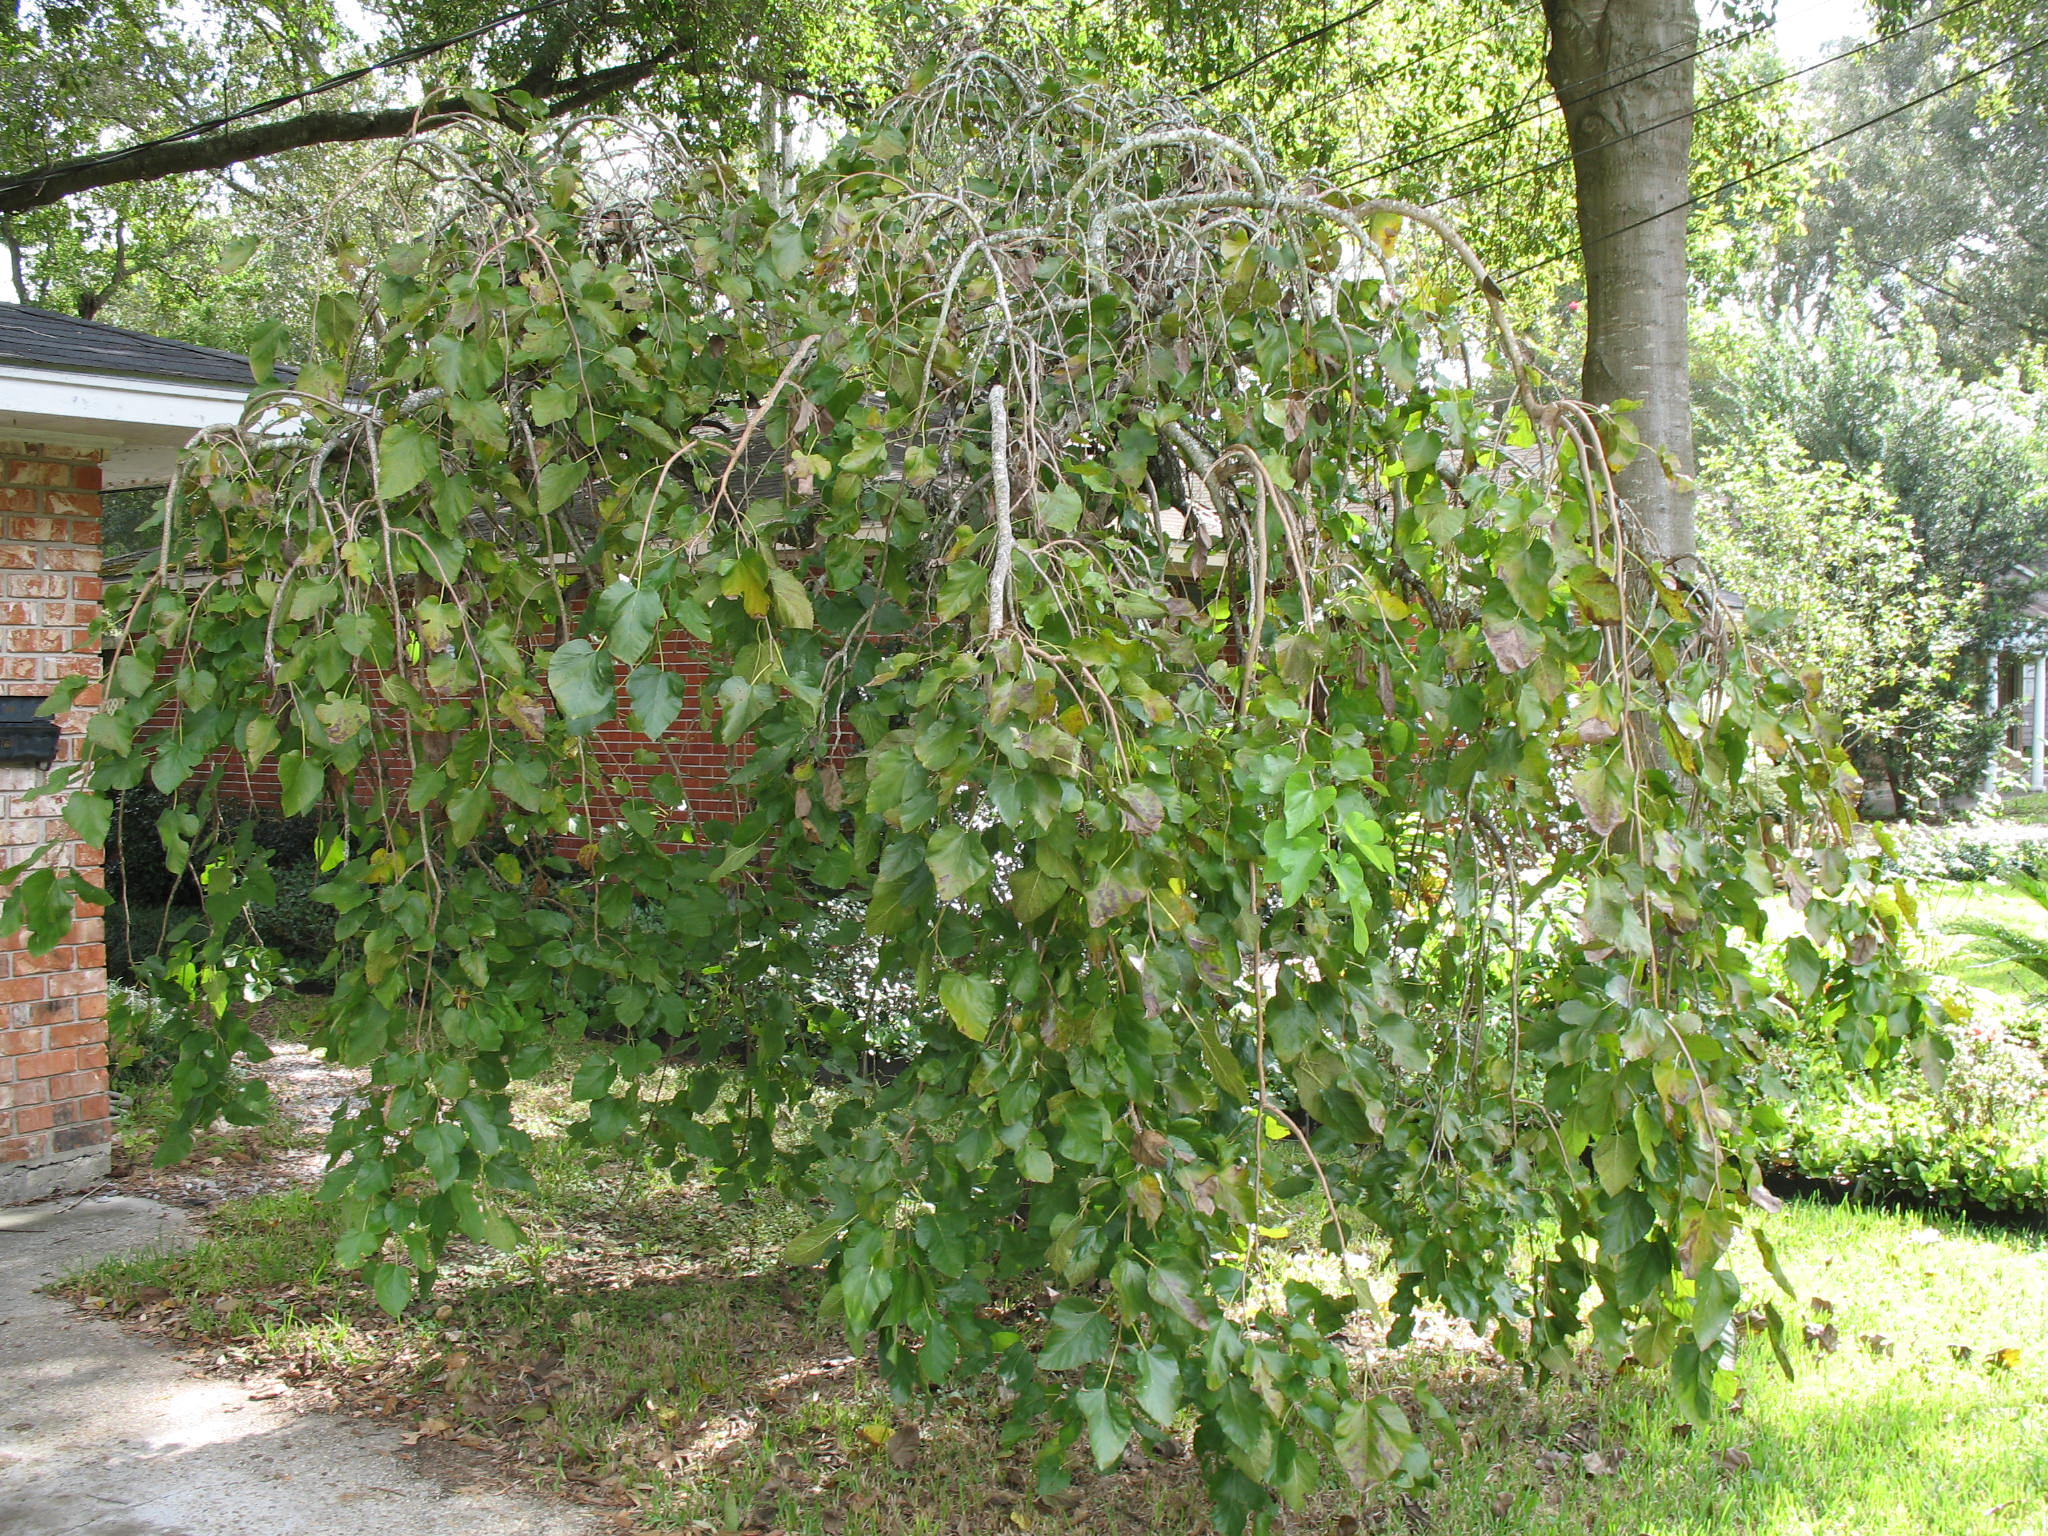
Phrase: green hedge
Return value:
(1905, 1152)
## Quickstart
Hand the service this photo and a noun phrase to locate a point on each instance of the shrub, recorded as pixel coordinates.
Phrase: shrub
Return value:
(1972, 1133)
(1911, 1152)
(142, 1036)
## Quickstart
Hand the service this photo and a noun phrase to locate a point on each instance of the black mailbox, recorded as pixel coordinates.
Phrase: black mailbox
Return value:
(26, 740)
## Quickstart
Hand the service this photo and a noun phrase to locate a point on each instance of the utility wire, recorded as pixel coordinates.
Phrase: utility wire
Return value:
(1699, 110)
(1279, 48)
(1725, 41)
(1373, 79)
(1791, 159)
(410, 55)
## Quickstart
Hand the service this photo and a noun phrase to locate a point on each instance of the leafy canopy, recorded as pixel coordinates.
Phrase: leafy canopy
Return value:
(1205, 668)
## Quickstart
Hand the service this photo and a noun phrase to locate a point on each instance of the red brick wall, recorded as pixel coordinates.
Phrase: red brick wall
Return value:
(692, 754)
(54, 1126)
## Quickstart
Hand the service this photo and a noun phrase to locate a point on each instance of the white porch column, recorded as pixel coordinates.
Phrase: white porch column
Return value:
(2035, 779)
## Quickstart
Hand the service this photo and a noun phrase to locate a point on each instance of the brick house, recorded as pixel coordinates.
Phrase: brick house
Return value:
(84, 408)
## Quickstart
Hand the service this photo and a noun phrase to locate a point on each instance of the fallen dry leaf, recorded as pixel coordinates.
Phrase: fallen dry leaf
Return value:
(1602, 1463)
(1822, 1338)
(1878, 1345)
(1734, 1459)
(2005, 1359)
(902, 1448)
(1822, 1306)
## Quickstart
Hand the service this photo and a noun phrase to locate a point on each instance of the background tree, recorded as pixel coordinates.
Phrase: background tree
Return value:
(1940, 212)
(1834, 583)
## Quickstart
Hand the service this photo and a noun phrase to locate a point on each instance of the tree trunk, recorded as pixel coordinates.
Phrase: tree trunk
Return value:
(1629, 124)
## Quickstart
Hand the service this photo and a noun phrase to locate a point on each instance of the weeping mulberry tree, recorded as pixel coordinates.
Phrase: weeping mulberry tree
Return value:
(1201, 661)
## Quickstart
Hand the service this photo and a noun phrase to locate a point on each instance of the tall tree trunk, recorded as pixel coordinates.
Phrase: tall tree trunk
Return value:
(1623, 73)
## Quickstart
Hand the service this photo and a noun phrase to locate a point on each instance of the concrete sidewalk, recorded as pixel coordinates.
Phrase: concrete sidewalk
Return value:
(103, 1434)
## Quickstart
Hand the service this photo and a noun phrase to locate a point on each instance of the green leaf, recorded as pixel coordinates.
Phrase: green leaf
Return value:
(657, 697)
(632, 615)
(786, 250)
(1373, 1441)
(558, 482)
(958, 862)
(1033, 893)
(792, 602)
(1158, 1373)
(1602, 796)
(234, 254)
(392, 1284)
(90, 816)
(971, 1000)
(1080, 1334)
(581, 679)
(1109, 1425)
(1114, 893)
(263, 350)
(551, 403)
(1614, 1159)
(1061, 507)
(300, 783)
(1222, 1064)
(815, 1244)
(1804, 966)
(466, 811)
(404, 455)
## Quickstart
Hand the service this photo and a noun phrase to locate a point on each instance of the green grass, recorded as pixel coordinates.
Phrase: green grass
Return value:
(1948, 908)
(2029, 809)
(647, 1345)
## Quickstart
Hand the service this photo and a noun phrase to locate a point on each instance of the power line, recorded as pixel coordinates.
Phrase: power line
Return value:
(1279, 48)
(1698, 111)
(1726, 41)
(1373, 79)
(1784, 160)
(410, 55)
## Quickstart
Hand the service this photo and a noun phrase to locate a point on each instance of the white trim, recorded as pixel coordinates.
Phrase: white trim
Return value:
(117, 401)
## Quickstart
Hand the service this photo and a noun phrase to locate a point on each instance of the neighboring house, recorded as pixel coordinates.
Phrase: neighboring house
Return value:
(84, 408)
(2019, 684)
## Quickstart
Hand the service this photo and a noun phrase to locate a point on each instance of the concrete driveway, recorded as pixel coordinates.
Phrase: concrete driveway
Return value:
(104, 1434)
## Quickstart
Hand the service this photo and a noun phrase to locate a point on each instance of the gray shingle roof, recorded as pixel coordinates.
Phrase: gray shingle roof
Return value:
(43, 338)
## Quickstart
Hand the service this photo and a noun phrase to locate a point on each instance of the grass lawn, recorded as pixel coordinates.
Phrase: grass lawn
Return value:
(2030, 809)
(1948, 909)
(647, 1347)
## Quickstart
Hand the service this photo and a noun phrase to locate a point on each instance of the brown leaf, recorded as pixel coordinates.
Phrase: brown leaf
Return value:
(1822, 1338)
(1502, 1504)
(1877, 1344)
(1821, 1306)
(1149, 1147)
(1513, 646)
(1962, 1353)
(1734, 1459)
(1602, 1463)
(902, 1448)
(1681, 1430)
